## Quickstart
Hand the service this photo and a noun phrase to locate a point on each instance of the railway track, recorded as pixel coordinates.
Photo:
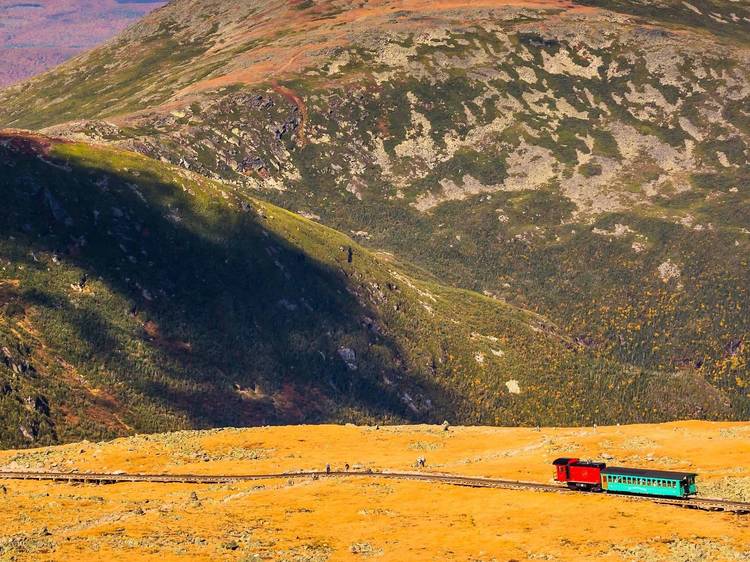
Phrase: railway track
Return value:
(708, 504)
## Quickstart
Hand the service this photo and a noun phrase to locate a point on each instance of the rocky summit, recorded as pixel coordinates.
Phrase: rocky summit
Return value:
(521, 212)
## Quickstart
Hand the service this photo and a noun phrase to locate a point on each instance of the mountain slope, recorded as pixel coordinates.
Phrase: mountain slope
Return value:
(138, 297)
(589, 163)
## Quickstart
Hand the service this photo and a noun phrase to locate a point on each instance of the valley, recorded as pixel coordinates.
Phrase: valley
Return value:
(36, 36)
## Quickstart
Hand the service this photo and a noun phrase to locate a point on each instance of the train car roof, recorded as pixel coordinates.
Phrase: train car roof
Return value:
(648, 473)
(564, 460)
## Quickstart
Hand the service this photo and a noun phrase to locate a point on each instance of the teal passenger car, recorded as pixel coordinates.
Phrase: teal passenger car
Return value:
(648, 482)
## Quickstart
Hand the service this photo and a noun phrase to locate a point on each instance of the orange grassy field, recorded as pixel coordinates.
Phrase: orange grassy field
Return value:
(335, 519)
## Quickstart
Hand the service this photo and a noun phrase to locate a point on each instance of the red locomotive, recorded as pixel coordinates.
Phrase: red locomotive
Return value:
(579, 475)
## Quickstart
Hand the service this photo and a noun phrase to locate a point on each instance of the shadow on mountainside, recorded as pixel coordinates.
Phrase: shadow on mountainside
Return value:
(181, 310)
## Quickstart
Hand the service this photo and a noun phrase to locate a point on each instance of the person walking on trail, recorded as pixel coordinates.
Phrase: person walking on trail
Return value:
(328, 469)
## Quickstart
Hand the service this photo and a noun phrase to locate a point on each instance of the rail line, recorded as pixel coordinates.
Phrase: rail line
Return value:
(708, 504)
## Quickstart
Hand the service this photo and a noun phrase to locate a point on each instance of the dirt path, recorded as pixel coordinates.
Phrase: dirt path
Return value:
(293, 97)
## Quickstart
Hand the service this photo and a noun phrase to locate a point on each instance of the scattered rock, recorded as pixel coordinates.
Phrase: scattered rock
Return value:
(349, 357)
(513, 386)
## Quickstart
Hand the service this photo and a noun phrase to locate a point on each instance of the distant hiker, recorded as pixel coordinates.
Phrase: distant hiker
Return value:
(81, 283)
(421, 462)
(328, 469)
(346, 467)
(350, 255)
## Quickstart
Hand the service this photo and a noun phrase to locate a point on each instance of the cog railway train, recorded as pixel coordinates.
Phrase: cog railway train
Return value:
(598, 477)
